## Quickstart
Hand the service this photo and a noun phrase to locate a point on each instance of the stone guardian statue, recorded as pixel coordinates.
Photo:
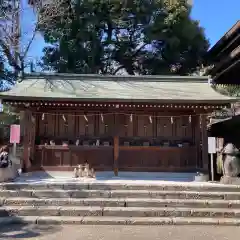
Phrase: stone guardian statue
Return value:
(231, 161)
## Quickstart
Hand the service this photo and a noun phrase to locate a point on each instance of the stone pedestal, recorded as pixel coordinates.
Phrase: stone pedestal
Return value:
(230, 180)
(8, 174)
(201, 178)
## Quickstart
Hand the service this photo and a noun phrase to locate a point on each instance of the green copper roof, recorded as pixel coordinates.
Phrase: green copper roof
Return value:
(74, 87)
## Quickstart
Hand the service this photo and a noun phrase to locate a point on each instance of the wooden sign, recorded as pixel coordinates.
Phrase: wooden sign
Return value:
(15, 133)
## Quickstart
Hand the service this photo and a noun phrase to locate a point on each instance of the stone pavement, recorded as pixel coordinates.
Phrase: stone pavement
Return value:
(118, 232)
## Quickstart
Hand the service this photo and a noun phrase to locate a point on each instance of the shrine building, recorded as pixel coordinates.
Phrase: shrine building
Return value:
(115, 123)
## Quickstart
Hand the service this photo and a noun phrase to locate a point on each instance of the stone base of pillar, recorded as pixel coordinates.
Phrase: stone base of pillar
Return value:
(230, 180)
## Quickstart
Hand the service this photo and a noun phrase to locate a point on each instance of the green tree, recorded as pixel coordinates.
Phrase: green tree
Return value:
(228, 89)
(7, 117)
(133, 36)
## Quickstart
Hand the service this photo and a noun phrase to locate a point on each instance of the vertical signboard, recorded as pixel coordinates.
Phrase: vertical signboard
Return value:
(15, 133)
(212, 149)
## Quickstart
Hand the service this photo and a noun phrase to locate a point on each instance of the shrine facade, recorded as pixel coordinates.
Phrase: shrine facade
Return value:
(115, 123)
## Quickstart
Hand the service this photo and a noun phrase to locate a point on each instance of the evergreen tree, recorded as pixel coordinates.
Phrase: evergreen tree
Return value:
(133, 36)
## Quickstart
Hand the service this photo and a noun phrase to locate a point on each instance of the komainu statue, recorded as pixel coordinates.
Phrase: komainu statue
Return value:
(231, 165)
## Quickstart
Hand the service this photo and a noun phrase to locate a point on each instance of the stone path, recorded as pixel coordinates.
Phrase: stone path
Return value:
(119, 232)
(126, 177)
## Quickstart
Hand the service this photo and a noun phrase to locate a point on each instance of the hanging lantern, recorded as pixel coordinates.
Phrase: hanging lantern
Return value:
(43, 116)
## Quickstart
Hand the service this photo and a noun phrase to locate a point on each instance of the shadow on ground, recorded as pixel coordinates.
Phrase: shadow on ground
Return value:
(26, 231)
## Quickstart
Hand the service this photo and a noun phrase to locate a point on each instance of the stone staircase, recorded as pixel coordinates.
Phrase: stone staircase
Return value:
(103, 203)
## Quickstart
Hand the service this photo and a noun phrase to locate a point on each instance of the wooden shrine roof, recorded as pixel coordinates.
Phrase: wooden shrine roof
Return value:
(227, 40)
(75, 87)
(224, 57)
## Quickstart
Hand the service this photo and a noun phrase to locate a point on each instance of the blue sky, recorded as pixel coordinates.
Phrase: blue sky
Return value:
(215, 16)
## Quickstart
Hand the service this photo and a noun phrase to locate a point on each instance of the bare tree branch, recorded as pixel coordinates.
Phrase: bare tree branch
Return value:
(11, 60)
(15, 44)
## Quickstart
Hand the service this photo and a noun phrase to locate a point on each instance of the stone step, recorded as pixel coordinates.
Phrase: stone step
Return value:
(120, 194)
(117, 202)
(6, 211)
(59, 220)
(200, 187)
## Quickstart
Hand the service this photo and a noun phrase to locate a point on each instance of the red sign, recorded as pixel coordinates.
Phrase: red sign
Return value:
(15, 134)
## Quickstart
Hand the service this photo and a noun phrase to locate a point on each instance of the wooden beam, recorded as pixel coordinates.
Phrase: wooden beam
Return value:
(116, 154)
(185, 105)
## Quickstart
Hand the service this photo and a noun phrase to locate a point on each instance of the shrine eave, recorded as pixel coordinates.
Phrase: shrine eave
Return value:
(74, 88)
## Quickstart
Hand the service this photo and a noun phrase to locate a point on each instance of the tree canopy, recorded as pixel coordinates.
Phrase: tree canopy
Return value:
(132, 36)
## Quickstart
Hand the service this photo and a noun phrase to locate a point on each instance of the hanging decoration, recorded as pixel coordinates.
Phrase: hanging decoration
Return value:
(33, 119)
(172, 118)
(190, 118)
(150, 119)
(1, 106)
(102, 119)
(85, 117)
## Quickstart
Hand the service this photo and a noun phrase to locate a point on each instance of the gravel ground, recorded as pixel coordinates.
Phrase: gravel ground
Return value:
(81, 232)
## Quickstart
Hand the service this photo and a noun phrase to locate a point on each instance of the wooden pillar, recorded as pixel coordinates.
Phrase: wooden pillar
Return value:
(28, 139)
(32, 136)
(116, 154)
(204, 140)
(197, 137)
